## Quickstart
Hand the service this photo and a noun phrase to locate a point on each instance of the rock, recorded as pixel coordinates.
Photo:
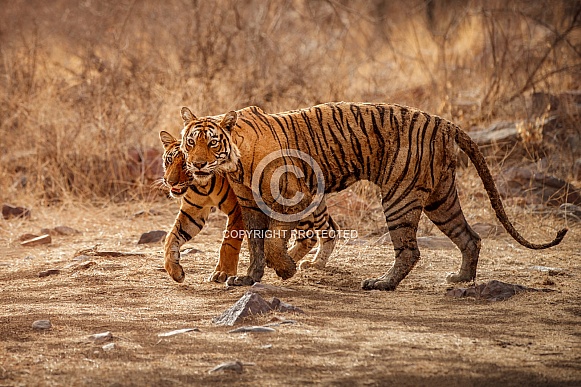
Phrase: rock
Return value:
(86, 265)
(177, 332)
(280, 306)
(59, 230)
(250, 304)
(276, 321)
(48, 272)
(41, 324)
(82, 257)
(40, 240)
(570, 211)
(76, 265)
(549, 270)
(231, 366)
(253, 329)
(9, 212)
(155, 236)
(27, 236)
(492, 291)
(537, 187)
(486, 230)
(108, 347)
(500, 134)
(99, 338)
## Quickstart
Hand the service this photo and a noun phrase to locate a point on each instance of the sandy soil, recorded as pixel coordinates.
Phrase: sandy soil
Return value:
(413, 336)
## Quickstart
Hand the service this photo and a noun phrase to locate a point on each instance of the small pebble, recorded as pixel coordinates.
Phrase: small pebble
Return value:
(282, 322)
(549, 270)
(41, 240)
(230, 366)
(65, 230)
(48, 272)
(27, 236)
(82, 257)
(41, 324)
(9, 212)
(177, 332)
(253, 329)
(99, 338)
(155, 236)
(108, 347)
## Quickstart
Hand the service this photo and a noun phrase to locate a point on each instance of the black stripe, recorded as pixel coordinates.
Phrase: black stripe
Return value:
(401, 225)
(224, 198)
(192, 220)
(435, 205)
(185, 199)
(449, 219)
(184, 234)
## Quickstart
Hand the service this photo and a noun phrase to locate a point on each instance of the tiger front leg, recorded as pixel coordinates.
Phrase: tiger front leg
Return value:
(230, 251)
(186, 226)
(256, 224)
(172, 257)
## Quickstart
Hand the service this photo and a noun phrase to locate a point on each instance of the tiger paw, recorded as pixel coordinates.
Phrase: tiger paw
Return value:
(218, 276)
(242, 280)
(286, 272)
(460, 277)
(175, 271)
(378, 284)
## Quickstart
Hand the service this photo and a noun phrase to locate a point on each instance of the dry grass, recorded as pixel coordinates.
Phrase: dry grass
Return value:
(85, 87)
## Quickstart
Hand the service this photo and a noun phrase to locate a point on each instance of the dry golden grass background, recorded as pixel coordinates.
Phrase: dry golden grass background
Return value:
(86, 86)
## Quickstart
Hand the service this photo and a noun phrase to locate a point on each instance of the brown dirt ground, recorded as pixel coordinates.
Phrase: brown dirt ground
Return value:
(347, 336)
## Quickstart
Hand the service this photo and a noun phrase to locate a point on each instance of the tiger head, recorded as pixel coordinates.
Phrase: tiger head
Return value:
(176, 176)
(207, 144)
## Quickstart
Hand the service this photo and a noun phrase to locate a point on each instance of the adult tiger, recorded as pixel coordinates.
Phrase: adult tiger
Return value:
(409, 154)
(197, 199)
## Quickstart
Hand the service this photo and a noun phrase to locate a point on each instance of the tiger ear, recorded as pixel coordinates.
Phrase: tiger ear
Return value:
(187, 115)
(229, 120)
(167, 139)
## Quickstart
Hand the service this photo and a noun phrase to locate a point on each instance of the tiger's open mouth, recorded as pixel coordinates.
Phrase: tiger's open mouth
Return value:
(178, 191)
(201, 174)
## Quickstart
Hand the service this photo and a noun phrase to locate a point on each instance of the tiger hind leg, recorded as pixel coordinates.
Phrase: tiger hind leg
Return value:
(305, 240)
(402, 229)
(328, 234)
(276, 252)
(444, 210)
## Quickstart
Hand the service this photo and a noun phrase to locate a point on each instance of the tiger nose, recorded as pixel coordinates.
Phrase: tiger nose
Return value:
(170, 181)
(199, 164)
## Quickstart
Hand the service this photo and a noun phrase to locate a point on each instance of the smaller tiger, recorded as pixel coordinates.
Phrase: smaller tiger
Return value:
(197, 199)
